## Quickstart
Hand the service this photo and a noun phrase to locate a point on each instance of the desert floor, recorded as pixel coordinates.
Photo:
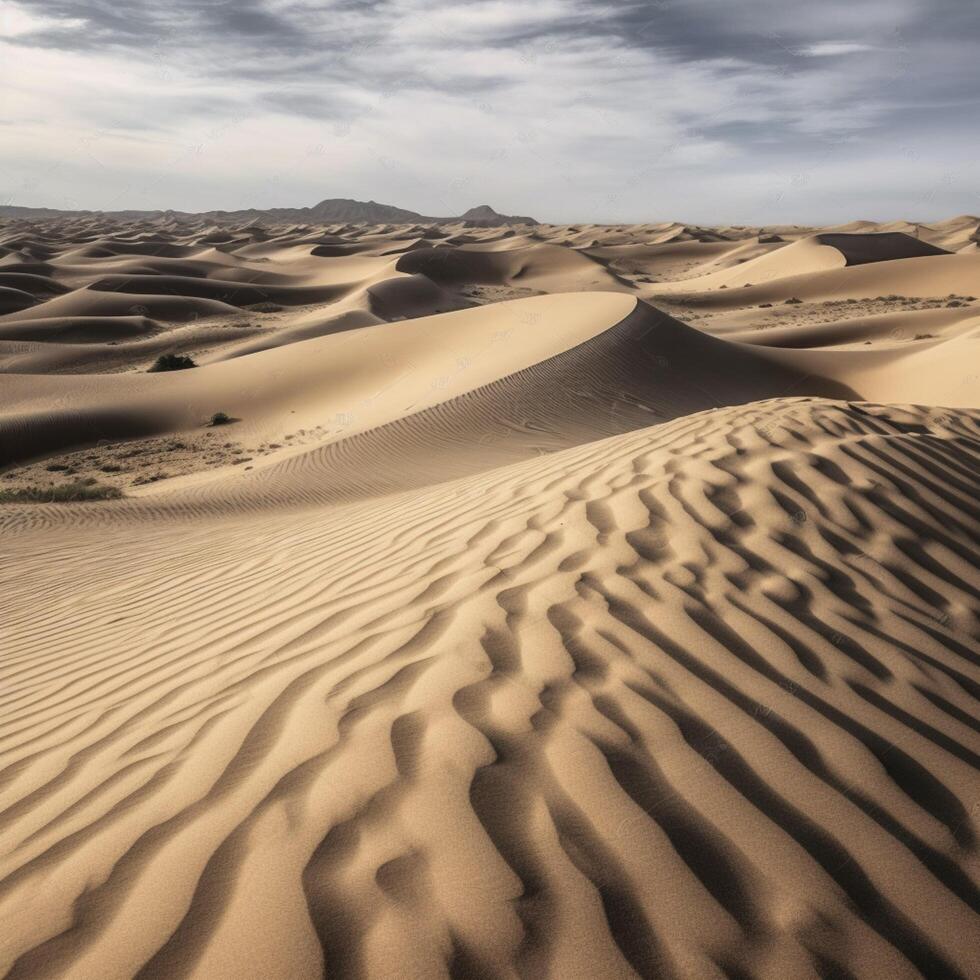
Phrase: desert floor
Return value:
(567, 602)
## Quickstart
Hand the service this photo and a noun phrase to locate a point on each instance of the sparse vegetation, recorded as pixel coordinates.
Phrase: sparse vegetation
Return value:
(793, 300)
(220, 418)
(171, 362)
(264, 307)
(88, 489)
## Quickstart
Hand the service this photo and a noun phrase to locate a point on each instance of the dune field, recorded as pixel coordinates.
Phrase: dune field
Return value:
(489, 602)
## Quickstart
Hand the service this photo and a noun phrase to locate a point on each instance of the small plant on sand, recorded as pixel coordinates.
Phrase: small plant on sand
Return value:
(172, 362)
(60, 493)
(220, 418)
(793, 299)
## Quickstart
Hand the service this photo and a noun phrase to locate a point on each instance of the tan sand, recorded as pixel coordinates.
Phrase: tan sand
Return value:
(545, 610)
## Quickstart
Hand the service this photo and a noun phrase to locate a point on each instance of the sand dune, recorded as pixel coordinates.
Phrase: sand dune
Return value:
(546, 267)
(821, 253)
(880, 247)
(543, 609)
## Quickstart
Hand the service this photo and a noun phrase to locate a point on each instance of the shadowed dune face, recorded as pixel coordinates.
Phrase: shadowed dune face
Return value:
(882, 247)
(538, 608)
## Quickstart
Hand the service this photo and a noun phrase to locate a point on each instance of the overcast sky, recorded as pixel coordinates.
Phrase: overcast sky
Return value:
(712, 111)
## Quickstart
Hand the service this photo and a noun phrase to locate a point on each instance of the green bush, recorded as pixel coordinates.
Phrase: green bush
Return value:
(172, 362)
(219, 418)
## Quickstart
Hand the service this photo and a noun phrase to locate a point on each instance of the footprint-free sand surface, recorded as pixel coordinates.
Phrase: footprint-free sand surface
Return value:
(556, 602)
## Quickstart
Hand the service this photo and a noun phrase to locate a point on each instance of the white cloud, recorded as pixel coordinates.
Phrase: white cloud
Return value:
(830, 49)
(16, 22)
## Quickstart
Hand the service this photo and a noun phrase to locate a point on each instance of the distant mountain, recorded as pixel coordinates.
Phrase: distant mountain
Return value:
(370, 212)
(485, 215)
(330, 211)
(40, 214)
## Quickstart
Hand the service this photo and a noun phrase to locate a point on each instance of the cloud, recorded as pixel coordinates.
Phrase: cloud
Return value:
(572, 109)
(830, 49)
(18, 22)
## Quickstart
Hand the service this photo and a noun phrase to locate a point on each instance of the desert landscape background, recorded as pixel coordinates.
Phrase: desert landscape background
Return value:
(487, 598)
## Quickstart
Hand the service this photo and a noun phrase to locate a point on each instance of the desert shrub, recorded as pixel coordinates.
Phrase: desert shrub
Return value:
(793, 299)
(60, 493)
(172, 362)
(220, 418)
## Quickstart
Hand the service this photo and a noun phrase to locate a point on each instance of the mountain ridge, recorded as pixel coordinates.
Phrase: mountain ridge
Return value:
(328, 210)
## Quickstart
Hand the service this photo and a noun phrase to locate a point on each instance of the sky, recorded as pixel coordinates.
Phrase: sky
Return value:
(707, 111)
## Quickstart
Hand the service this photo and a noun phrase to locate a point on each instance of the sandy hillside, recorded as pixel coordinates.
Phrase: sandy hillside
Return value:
(565, 602)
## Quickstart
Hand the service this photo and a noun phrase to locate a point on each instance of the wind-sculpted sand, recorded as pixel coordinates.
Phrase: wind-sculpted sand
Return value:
(542, 610)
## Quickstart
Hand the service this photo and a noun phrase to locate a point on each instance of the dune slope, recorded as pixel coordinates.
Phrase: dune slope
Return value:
(690, 698)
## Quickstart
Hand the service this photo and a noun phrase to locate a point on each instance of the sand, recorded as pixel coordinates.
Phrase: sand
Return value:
(556, 602)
